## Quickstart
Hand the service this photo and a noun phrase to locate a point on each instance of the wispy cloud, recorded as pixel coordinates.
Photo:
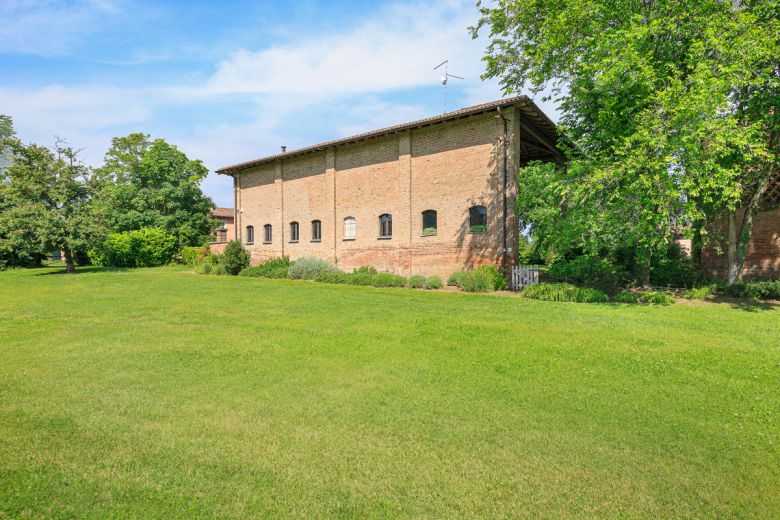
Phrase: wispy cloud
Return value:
(51, 27)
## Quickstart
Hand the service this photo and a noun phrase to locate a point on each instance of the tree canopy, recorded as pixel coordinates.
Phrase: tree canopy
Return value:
(670, 109)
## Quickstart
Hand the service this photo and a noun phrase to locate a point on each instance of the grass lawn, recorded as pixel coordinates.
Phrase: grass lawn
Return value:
(160, 393)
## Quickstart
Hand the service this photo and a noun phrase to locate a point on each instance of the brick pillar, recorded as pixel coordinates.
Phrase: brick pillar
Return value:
(405, 202)
(278, 230)
(330, 180)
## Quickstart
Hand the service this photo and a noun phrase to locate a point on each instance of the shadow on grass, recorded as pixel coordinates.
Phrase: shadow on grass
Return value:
(746, 304)
(82, 270)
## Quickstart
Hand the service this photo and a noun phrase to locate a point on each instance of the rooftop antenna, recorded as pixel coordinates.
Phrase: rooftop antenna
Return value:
(445, 79)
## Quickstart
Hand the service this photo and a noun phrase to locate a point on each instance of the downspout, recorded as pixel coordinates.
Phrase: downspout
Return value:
(505, 182)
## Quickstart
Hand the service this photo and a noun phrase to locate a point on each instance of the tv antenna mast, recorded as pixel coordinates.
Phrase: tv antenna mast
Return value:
(445, 79)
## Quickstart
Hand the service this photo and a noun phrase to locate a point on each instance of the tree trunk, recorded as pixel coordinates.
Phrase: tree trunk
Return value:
(644, 269)
(739, 241)
(734, 270)
(70, 267)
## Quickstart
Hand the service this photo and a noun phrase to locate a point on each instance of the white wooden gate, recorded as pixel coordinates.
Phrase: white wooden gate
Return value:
(523, 275)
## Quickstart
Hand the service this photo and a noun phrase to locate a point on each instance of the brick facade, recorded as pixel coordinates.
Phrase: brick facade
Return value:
(763, 258)
(448, 166)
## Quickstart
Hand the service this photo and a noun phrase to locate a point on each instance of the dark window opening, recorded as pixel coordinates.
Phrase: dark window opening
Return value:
(316, 230)
(250, 234)
(293, 231)
(386, 225)
(429, 223)
(268, 235)
(478, 219)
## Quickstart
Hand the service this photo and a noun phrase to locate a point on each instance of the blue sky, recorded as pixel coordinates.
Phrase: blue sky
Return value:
(231, 81)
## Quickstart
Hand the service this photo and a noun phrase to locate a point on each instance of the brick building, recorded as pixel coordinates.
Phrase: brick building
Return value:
(227, 230)
(426, 197)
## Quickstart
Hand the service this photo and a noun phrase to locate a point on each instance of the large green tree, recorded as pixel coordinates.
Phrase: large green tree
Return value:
(46, 204)
(670, 108)
(150, 183)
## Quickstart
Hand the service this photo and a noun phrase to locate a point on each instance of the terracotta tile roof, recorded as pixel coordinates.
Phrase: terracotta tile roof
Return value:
(533, 114)
(222, 212)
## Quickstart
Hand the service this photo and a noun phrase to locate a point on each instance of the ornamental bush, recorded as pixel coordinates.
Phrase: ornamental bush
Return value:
(564, 292)
(756, 289)
(417, 281)
(388, 280)
(456, 278)
(365, 269)
(235, 257)
(626, 296)
(433, 282)
(333, 277)
(477, 281)
(656, 298)
(700, 293)
(588, 271)
(273, 268)
(308, 267)
(496, 274)
(194, 255)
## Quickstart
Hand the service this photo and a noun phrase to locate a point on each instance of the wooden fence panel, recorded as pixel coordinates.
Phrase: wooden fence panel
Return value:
(523, 275)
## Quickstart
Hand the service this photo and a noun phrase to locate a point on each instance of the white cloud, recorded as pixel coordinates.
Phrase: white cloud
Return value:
(51, 27)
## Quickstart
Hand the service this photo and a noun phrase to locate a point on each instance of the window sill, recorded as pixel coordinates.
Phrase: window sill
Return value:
(348, 239)
(429, 235)
(316, 241)
(293, 242)
(266, 243)
(249, 243)
(384, 238)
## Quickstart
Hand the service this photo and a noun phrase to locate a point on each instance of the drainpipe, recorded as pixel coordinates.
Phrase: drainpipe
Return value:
(235, 208)
(505, 181)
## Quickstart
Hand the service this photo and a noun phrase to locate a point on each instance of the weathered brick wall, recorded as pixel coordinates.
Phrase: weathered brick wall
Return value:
(447, 167)
(763, 258)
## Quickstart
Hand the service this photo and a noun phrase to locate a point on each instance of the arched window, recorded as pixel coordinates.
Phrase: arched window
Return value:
(267, 233)
(385, 225)
(349, 228)
(429, 224)
(316, 230)
(293, 231)
(250, 234)
(478, 219)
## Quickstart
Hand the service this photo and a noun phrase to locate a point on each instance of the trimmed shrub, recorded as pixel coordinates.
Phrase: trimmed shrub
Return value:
(361, 278)
(478, 229)
(756, 289)
(365, 269)
(496, 274)
(145, 247)
(194, 255)
(433, 282)
(455, 278)
(700, 293)
(388, 280)
(209, 265)
(626, 296)
(477, 281)
(235, 258)
(333, 277)
(656, 298)
(417, 281)
(273, 268)
(673, 268)
(429, 231)
(564, 292)
(308, 267)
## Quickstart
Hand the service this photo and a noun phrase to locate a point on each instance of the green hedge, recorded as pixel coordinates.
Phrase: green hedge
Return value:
(477, 281)
(308, 267)
(417, 281)
(433, 282)
(145, 247)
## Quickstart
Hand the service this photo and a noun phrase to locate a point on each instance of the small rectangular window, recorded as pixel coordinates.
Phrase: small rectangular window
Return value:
(316, 230)
(293, 231)
(250, 234)
(349, 228)
(267, 234)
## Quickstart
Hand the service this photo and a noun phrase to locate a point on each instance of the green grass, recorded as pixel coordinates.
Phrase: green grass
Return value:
(157, 393)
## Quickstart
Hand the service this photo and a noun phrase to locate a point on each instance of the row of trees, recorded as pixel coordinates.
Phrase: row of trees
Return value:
(52, 201)
(670, 112)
